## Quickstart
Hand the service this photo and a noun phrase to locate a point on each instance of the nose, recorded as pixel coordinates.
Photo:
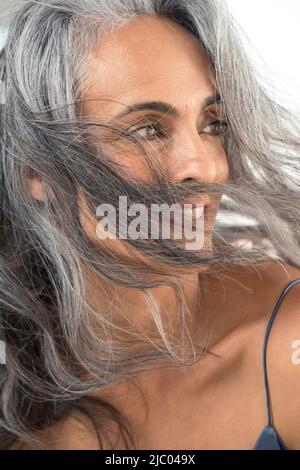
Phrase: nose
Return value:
(198, 157)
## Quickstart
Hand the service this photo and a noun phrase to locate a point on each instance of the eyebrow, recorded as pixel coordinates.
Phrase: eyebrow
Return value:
(167, 108)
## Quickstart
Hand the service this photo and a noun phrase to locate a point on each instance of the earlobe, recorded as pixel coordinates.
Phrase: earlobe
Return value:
(39, 190)
(36, 189)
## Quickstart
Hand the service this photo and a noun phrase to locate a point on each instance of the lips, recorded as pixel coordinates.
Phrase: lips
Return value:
(196, 212)
(206, 208)
(197, 208)
(205, 201)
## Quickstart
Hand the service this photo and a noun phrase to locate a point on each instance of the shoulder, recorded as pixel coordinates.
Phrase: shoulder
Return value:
(277, 276)
(283, 352)
(75, 432)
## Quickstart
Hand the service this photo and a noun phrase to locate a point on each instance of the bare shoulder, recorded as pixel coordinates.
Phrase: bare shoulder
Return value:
(283, 351)
(252, 290)
(73, 433)
(277, 275)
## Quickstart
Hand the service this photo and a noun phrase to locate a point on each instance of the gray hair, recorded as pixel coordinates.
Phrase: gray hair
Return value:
(58, 347)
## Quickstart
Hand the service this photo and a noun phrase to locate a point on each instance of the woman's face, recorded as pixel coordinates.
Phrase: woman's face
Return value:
(153, 80)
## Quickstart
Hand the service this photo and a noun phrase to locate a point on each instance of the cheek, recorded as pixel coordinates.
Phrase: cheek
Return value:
(224, 169)
(89, 223)
(133, 168)
(87, 220)
(219, 155)
(129, 163)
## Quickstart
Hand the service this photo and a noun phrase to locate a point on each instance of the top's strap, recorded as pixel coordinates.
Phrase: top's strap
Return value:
(276, 308)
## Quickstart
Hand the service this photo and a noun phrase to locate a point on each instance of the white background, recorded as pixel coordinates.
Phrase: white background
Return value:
(272, 27)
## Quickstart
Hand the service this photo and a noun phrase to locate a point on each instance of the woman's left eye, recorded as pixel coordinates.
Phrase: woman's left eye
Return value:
(215, 128)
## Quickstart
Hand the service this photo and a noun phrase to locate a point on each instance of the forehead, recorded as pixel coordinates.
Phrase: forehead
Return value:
(148, 59)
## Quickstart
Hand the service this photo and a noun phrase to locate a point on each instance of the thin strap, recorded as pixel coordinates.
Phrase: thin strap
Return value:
(276, 308)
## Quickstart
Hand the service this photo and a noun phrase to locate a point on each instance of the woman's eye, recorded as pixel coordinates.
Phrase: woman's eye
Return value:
(215, 128)
(148, 132)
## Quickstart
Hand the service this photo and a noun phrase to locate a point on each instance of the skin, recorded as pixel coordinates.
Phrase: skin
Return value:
(123, 72)
(221, 400)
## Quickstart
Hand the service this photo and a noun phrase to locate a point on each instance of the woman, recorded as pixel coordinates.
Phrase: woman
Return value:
(113, 342)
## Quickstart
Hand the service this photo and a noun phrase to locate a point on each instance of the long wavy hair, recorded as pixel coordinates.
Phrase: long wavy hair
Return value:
(59, 348)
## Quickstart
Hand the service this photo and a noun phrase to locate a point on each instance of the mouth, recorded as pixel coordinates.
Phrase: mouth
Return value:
(195, 216)
(198, 209)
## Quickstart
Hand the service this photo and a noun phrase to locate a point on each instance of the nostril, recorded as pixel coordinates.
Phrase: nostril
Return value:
(189, 180)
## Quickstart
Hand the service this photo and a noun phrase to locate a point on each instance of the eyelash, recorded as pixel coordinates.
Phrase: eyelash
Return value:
(223, 127)
(159, 131)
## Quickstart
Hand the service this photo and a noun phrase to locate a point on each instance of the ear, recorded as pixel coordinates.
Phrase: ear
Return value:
(38, 189)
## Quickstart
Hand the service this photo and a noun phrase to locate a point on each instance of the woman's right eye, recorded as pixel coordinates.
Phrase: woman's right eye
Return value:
(147, 132)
